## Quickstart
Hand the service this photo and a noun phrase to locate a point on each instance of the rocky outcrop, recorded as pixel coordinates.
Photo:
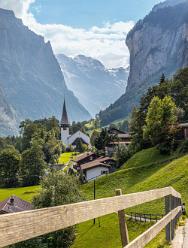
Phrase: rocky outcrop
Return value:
(30, 75)
(95, 86)
(157, 44)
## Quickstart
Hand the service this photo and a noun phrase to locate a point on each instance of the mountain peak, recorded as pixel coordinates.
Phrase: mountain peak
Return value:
(88, 62)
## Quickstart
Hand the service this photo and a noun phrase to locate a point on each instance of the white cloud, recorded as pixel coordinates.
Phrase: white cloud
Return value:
(20, 7)
(105, 43)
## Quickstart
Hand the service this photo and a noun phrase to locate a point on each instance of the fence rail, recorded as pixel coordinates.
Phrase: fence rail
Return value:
(22, 226)
(152, 232)
(142, 217)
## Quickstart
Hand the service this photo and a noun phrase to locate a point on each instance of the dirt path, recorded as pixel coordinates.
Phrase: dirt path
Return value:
(181, 237)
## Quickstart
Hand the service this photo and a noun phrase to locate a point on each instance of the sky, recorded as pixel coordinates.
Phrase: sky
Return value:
(88, 13)
(95, 28)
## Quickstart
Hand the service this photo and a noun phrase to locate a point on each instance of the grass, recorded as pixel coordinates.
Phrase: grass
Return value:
(107, 235)
(66, 157)
(146, 157)
(25, 193)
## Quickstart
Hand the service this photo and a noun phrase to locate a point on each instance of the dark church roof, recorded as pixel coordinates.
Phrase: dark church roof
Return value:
(13, 205)
(64, 118)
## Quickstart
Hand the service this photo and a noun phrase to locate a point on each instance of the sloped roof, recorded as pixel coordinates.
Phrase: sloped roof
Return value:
(113, 129)
(93, 165)
(183, 125)
(124, 135)
(14, 204)
(84, 156)
(102, 161)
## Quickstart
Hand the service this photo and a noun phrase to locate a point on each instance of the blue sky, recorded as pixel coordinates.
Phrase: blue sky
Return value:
(88, 13)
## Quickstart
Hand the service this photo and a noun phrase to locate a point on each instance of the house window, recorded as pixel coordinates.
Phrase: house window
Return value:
(103, 172)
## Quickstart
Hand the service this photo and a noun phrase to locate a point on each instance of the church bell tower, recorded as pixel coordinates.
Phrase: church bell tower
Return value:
(65, 126)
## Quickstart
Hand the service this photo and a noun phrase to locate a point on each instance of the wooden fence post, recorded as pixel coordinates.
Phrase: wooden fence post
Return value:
(168, 207)
(122, 223)
(173, 222)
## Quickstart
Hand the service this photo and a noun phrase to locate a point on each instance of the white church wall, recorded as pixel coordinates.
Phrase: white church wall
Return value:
(93, 173)
(65, 136)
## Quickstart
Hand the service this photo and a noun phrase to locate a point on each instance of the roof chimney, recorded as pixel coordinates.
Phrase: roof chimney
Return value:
(11, 200)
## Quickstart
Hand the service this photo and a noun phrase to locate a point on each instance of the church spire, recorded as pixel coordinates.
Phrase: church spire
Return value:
(64, 118)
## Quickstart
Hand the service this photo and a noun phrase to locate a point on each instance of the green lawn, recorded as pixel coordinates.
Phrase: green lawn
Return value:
(107, 234)
(25, 193)
(66, 157)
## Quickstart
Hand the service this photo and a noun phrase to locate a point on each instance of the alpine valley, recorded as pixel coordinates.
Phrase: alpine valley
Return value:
(95, 86)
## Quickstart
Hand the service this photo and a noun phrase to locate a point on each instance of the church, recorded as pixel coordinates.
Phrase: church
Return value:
(67, 139)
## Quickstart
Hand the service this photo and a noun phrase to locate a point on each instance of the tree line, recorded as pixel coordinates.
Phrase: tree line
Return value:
(24, 159)
(155, 121)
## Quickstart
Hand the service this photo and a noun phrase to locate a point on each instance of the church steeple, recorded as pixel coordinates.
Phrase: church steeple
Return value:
(64, 118)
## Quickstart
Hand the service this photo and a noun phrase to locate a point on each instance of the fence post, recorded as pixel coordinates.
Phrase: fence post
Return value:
(122, 224)
(168, 207)
(173, 225)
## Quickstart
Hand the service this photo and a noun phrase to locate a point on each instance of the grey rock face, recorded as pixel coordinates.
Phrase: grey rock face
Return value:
(157, 44)
(8, 120)
(95, 86)
(168, 3)
(30, 76)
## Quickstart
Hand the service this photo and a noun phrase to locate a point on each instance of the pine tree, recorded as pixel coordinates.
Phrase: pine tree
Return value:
(162, 79)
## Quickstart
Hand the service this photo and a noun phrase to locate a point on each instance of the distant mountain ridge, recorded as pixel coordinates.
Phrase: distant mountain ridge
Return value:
(168, 3)
(157, 44)
(30, 76)
(95, 86)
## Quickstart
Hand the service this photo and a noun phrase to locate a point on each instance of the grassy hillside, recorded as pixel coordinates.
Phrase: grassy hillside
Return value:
(147, 157)
(145, 172)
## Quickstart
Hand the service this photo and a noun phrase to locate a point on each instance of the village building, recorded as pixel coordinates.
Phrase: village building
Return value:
(14, 204)
(119, 138)
(184, 130)
(67, 139)
(96, 168)
(84, 158)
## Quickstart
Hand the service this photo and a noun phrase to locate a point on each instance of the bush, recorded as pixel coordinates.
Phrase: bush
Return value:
(183, 149)
(122, 154)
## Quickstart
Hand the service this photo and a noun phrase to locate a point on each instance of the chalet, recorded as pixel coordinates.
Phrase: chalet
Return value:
(84, 158)
(120, 138)
(14, 204)
(67, 139)
(96, 168)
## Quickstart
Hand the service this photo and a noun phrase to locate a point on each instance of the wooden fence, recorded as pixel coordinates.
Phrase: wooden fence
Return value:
(142, 217)
(22, 226)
